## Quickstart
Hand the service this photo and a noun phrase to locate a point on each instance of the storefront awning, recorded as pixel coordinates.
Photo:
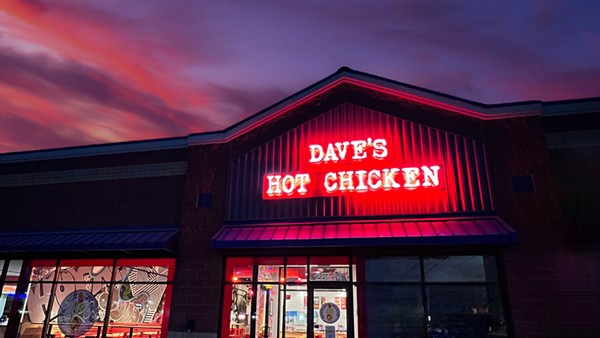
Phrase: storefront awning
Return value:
(155, 239)
(456, 231)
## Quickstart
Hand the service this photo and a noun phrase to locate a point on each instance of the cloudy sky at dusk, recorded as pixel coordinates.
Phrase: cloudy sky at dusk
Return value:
(86, 72)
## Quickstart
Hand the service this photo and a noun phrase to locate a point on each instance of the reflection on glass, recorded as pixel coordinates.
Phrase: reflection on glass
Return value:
(142, 274)
(42, 273)
(456, 269)
(331, 273)
(69, 280)
(242, 273)
(296, 316)
(269, 273)
(394, 311)
(465, 311)
(330, 313)
(267, 301)
(6, 300)
(14, 270)
(393, 269)
(296, 274)
(137, 301)
(241, 305)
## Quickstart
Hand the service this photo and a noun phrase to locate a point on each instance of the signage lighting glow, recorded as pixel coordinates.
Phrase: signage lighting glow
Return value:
(356, 166)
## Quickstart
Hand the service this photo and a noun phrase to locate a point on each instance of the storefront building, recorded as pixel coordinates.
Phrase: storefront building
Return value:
(357, 207)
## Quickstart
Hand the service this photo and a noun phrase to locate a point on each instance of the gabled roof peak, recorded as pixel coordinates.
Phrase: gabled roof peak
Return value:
(344, 75)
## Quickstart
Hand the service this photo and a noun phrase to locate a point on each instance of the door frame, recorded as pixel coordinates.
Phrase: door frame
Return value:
(349, 287)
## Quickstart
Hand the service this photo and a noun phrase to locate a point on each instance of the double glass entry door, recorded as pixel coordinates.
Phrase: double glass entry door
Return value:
(289, 313)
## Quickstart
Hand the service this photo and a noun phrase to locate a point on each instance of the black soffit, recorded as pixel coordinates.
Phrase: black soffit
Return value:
(447, 231)
(153, 239)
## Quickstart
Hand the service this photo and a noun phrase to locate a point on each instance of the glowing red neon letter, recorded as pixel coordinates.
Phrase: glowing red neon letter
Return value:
(316, 153)
(301, 180)
(287, 184)
(431, 176)
(342, 147)
(379, 149)
(388, 178)
(274, 187)
(345, 178)
(329, 177)
(361, 175)
(377, 175)
(359, 149)
(410, 177)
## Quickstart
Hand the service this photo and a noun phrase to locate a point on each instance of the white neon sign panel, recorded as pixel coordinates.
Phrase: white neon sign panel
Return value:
(327, 180)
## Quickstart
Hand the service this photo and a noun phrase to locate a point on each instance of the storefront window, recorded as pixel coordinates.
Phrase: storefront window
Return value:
(267, 310)
(460, 269)
(10, 270)
(446, 296)
(43, 271)
(395, 311)
(413, 296)
(393, 269)
(470, 311)
(296, 271)
(285, 302)
(241, 306)
(329, 269)
(77, 297)
(296, 311)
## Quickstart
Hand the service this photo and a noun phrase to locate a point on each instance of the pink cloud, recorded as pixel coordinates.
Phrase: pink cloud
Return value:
(104, 71)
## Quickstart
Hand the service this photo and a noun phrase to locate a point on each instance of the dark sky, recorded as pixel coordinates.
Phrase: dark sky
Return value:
(86, 72)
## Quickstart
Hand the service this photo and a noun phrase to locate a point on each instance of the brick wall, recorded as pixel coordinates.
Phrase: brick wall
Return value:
(105, 191)
(553, 287)
(197, 294)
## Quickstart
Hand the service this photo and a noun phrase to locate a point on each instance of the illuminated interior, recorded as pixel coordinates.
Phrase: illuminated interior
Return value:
(412, 296)
(124, 298)
(280, 289)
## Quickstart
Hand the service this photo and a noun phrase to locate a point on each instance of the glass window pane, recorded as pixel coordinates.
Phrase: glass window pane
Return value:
(330, 310)
(145, 270)
(142, 274)
(465, 311)
(239, 269)
(240, 316)
(457, 269)
(85, 274)
(269, 273)
(75, 310)
(296, 274)
(393, 269)
(296, 315)
(136, 303)
(332, 273)
(296, 271)
(43, 273)
(14, 270)
(394, 311)
(6, 299)
(267, 319)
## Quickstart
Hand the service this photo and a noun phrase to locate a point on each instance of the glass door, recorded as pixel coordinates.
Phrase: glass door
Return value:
(295, 309)
(329, 318)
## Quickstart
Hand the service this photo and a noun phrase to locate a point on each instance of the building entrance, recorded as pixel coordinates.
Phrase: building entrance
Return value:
(294, 298)
(331, 313)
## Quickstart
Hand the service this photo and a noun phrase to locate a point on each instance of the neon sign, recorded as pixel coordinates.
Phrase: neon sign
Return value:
(356, 166)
